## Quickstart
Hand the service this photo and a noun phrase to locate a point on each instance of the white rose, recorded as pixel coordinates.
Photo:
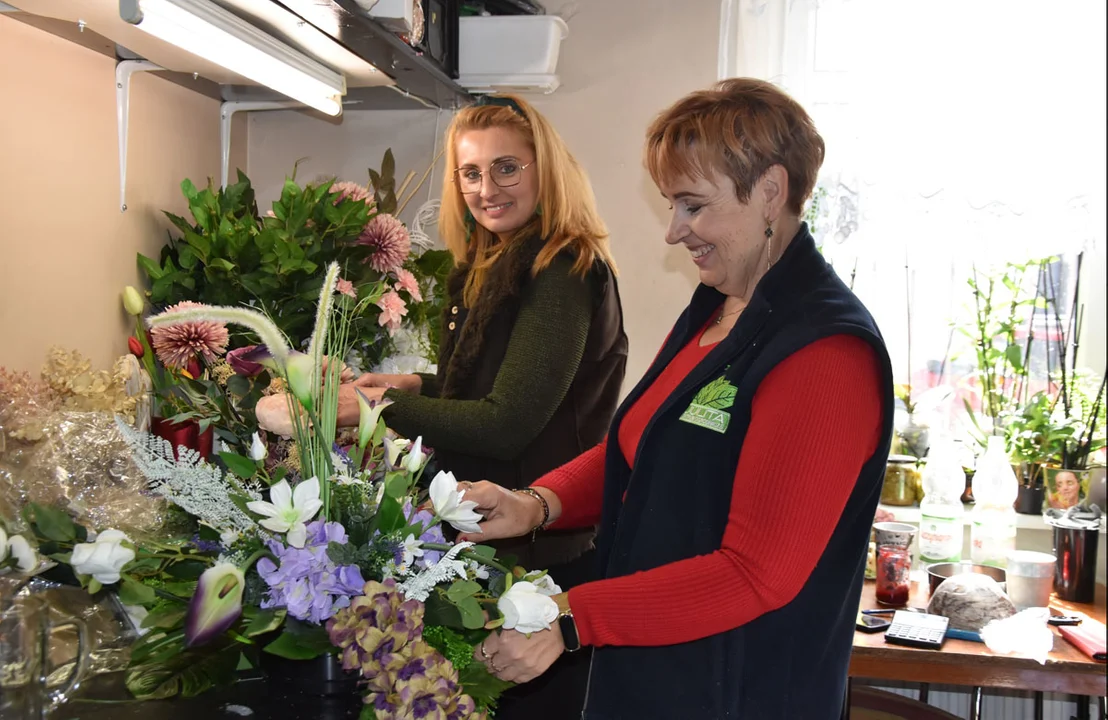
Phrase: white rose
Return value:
(525, 609)
(104, 558)
(545, 584)
(18, 548)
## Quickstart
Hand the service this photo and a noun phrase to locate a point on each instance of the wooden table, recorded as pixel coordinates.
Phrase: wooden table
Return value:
(962, 662)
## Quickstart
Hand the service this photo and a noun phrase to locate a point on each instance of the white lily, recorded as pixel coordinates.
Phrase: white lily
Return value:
(450, 506)
(257, 449)
(289, 510)
(393, 448)
(414, 460)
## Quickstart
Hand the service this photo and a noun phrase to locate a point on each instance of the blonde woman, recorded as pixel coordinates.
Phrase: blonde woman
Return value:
(533, 351)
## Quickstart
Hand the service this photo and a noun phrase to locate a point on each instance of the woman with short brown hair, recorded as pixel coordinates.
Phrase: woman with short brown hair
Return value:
(736, 488)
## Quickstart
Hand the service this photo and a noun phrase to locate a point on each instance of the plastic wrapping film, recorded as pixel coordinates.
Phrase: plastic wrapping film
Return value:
(59, 444)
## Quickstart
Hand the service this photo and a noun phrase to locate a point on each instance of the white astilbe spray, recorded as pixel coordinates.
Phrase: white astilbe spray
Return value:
(270, 335)
(188, 482)
(419, 587)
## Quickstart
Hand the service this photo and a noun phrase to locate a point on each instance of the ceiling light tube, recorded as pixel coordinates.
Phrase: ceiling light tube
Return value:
(208, 31)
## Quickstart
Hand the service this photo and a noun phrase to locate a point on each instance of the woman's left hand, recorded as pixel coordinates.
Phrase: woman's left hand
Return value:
(517, 658)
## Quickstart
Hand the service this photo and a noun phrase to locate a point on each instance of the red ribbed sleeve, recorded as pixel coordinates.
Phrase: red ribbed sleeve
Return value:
(579, 485)
(816, 418)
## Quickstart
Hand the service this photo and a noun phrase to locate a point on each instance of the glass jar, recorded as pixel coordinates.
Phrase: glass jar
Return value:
(902, 481)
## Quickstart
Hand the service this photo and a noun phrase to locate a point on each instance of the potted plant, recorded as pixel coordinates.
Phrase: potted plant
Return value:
(1037, 438)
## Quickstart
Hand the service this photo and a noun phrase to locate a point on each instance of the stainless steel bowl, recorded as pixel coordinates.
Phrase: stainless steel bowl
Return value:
(937, 573)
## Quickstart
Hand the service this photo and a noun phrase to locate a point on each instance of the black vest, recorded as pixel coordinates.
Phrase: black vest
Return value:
(790, 663)
(469, 359)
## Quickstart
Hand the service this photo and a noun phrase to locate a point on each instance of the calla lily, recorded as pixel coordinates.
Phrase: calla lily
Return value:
(216, 604)
(302, 374)
(369, 415)
(393, 448)
(257, 449)
(250, 360)
(449, 505)
(289, 510)
(414, 460)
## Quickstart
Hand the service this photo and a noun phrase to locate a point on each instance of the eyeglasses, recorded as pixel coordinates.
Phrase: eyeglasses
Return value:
(504, 173)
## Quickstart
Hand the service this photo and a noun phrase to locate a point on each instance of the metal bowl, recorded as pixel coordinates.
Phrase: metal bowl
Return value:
(937, 573)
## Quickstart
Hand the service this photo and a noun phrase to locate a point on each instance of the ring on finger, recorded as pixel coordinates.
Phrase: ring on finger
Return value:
(485, 653)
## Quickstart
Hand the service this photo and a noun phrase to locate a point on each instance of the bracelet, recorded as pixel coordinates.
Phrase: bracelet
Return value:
(545, 509)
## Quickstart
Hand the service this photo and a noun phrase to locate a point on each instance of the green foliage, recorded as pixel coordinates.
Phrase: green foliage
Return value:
(227, 253)
(301, 641)
(453, 646)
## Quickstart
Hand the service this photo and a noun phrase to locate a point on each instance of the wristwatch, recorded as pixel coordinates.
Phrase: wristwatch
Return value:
(569, 631)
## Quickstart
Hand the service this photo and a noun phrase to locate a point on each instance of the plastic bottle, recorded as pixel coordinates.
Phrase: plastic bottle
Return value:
(941, 511)
(995, 488)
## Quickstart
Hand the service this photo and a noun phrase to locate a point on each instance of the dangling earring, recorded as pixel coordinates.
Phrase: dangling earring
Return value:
(769, 245)
(538, 210)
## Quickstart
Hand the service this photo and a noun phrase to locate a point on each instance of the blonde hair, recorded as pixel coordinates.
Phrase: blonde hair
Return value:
(738, 128)
(567, 217)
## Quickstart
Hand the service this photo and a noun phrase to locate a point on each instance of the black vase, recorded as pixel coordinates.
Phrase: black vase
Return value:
(1029, 501)
(322, 676)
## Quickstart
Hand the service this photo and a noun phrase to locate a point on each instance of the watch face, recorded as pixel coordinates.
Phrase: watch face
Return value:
(569, 633)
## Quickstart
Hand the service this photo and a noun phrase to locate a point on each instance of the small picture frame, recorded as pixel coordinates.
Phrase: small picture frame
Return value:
(1065, 488)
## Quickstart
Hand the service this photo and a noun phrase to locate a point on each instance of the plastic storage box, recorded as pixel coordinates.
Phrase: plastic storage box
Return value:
(510, 53)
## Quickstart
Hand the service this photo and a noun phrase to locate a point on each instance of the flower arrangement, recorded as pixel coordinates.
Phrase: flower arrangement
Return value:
(229, 254)
(344, 556)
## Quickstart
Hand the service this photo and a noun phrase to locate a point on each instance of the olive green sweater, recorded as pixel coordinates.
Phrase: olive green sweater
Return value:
(544, 353)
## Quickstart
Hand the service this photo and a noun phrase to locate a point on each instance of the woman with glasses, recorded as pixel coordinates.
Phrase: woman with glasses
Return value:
(533, 350)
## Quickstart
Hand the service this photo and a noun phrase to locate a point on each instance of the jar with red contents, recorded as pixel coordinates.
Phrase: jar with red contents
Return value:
(894, 566)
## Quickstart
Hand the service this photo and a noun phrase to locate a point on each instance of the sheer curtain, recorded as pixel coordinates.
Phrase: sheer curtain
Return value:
(961, 134)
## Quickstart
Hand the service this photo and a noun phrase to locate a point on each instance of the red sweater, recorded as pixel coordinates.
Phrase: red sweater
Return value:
(815, 420)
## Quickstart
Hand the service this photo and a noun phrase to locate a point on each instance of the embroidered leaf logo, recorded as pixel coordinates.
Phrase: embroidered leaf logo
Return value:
(718, 394)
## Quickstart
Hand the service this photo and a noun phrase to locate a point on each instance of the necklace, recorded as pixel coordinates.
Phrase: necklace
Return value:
(723, 315)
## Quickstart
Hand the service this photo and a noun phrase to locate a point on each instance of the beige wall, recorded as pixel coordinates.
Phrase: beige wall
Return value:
(343, 148)
(66, 250)
(623, 62)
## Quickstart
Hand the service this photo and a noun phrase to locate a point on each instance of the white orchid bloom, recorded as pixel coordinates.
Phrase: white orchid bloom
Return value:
(449, 505)
(258, 449)
(414, 460)
(479, 570)
(289, 510)
(393, 448)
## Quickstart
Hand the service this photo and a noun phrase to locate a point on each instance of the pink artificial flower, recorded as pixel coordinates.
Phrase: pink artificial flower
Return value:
(393, 310)
(347, 190)
(175, 345)
(407, 282)
(389, 242)
(346, 288)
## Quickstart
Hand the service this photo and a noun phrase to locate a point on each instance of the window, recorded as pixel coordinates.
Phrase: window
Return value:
(961, 135)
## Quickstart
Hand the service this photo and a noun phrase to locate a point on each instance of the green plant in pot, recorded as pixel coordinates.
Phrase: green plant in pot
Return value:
(1037, 437)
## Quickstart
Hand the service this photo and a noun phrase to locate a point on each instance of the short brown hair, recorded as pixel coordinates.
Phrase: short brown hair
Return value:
(739, 128)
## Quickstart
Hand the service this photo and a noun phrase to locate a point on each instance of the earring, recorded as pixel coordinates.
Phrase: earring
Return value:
(769, 245)
(471, 225)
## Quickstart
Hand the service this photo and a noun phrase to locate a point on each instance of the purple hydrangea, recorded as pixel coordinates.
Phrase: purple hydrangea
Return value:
(206, 546)
(305, 580)
(432, 534)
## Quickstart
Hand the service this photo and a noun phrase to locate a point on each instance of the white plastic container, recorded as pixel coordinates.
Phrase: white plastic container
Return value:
(995, 487)
(505, 53)
(941, 511)
(396, 15)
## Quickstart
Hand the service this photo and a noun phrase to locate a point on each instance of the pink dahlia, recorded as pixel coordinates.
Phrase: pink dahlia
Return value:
(393, 310)
(176, 344)
(346, 287)
(389, 241)
(350, 191)
(407, 282)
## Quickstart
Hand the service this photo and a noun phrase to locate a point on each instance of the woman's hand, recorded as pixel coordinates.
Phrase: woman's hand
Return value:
(515, 657)
(349, 412)
(507, 514)
(408, 383)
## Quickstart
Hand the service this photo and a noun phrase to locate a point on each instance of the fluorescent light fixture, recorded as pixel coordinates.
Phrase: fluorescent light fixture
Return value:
(207, 30)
